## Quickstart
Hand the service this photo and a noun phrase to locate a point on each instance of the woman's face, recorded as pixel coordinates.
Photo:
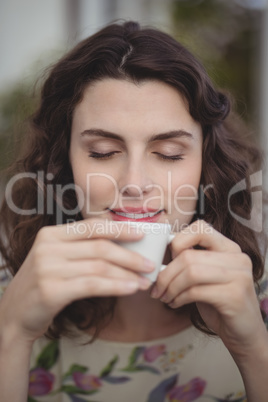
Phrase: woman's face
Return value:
(136, 153)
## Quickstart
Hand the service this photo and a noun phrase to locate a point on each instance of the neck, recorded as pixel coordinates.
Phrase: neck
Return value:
(140, 318)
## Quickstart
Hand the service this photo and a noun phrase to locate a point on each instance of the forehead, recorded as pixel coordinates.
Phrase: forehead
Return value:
(121, 105)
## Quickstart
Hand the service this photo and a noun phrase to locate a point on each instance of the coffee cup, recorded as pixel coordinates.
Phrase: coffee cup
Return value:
(153, 244)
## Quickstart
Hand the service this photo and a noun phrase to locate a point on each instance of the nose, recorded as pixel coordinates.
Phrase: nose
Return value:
(135, 180)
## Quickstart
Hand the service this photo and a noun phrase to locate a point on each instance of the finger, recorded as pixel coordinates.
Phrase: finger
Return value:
(226, 299)
(196, 275)
(210, 294)
(97, 228)
(93, 286)
(98, 249)
(202, 234)
(238, 291)
(210, 262)
(100, 268)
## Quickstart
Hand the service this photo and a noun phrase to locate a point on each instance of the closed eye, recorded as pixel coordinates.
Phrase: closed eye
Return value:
(169, 157)
(99, 155)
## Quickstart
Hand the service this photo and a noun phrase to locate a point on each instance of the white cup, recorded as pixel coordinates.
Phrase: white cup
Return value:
(153, 244)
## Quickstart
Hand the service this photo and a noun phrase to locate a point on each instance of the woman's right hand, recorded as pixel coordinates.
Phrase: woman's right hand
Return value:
(65, 264)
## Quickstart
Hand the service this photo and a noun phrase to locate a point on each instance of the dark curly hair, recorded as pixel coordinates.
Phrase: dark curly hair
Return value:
(128, 51)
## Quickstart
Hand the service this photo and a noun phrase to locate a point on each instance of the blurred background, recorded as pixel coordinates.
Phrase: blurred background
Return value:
(229, 36)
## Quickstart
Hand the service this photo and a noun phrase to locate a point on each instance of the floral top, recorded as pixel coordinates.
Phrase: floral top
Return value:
(189, 366)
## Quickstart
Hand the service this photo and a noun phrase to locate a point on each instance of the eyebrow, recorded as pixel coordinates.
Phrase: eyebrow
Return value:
(157, 137)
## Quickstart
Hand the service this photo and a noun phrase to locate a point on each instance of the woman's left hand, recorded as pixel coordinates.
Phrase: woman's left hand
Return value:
(219, 279)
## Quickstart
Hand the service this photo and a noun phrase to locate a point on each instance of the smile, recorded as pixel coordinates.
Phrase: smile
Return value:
(135, 216)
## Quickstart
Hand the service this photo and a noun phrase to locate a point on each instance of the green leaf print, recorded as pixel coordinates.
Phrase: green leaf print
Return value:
(75, 368)
(135, 354)
(72, 389)
(30, 399)
(141, 367)
(48, 356)
(109, 368)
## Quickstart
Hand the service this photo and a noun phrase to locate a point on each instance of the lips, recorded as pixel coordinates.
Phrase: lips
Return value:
(135, 214)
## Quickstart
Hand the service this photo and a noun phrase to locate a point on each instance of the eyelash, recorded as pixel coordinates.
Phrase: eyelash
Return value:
(98, 155)
(171, 158)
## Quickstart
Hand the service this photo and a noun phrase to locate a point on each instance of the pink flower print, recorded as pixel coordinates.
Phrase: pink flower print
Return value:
(86, 382)
(188, 392)
(152, 353)
(41, 382)
(264, 305)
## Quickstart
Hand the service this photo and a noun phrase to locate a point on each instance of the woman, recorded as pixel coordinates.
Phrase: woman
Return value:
(131, 128)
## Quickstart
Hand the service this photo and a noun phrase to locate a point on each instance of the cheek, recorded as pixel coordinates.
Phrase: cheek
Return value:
(183, 191)
(185, 199)
(100, 187)
(95, 191)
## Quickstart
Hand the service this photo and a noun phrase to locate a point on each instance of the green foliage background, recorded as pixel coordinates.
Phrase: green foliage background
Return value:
(15, 107)
(226, 38)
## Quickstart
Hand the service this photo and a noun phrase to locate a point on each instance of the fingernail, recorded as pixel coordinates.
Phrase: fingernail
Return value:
(144, 283)
(131, 285)
(154, 292)
(149, 265)
(164, 298)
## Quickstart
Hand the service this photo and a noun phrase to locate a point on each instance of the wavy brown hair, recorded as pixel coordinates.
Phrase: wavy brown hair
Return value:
(130, 52)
